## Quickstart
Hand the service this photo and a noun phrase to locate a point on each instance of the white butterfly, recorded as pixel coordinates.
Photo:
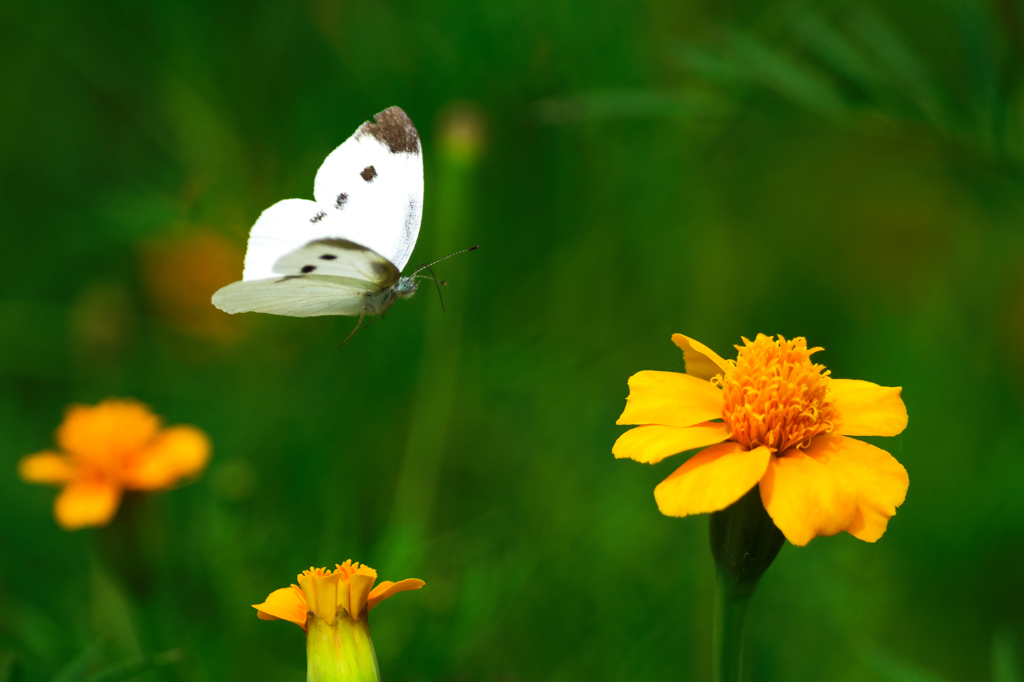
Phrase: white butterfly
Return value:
(343, 253)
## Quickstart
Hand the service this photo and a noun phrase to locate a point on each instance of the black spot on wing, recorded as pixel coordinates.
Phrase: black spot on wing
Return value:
(328, 256)
(393, 128)
(318, 217)
(380, 266)
(369, 173)
(306, 269)
(341, 200)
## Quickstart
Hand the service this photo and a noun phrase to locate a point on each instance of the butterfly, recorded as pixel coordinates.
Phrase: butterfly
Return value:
(343, 253)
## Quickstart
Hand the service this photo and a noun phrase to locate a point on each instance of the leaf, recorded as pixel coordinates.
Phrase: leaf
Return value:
(121, 670)
(133, 667)
(907, 69)
(837, 52)
(751, 64)
(112, 613)
(707, 65)
(979, 45)
(788, 76)
(76, 669)
(1005, 662)
(894, 668)
(625, 104)
(9, 667)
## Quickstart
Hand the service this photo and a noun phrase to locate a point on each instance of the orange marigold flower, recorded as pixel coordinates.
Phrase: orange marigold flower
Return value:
(108, 448)
(322, 592)
(333, 608)
(770, 417)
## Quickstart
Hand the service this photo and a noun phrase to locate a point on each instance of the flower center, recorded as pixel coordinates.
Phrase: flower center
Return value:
(773, 395)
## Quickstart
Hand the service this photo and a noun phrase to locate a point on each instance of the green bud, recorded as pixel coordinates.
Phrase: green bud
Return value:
(342, 651)
(744, 542)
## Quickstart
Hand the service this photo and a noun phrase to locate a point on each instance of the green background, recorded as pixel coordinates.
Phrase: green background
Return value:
(846, 172)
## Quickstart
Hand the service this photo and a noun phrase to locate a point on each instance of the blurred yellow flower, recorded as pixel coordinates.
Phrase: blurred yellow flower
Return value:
(322, 592)
(333, 608)
(774, 418)
(108, 448)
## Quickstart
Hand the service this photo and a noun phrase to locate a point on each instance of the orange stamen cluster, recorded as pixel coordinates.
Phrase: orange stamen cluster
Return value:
(347, 570)
(773, 395)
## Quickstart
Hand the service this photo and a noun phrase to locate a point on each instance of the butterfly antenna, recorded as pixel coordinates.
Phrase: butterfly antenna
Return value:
(438, 285)
(472, 248)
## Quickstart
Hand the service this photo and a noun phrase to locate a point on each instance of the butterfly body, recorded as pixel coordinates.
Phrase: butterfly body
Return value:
(342, 253)
(371, 302)
(379, 303)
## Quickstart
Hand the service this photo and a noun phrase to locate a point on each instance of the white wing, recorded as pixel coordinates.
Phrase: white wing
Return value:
(294, 296)
(288, 239)
(282, 228)
(371, 187)
(339, 258)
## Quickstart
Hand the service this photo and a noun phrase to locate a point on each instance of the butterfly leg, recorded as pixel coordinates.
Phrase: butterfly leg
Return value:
(353, 333)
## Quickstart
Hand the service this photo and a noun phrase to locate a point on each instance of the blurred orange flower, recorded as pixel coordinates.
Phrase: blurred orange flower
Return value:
(774, 418)
(108, 448)
(322, 592)
(181, 273)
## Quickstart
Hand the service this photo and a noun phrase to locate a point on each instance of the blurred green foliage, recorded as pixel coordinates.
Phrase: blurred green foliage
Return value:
(846, 172)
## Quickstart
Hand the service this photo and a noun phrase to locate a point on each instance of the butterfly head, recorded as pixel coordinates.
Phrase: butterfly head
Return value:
(406, 287)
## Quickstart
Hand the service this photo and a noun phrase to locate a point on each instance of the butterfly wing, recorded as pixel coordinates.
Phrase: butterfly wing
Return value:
(371, 187)
(340, 253)
(334, 258)
(280, 229)
(304, 296)
(290, 270)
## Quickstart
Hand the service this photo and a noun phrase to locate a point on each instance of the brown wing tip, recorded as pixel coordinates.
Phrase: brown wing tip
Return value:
(393, 128)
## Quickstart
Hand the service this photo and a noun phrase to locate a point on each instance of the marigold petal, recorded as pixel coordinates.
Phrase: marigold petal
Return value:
(344, 597)
(701, 361)
(177, 452)
(867, 409)
(881, 482)
(388, 589)
(288, 603)
(86, 502)
(321, 593)
(670, 399)
(46, 467)
(108, 432)
(360, 586)
(712, 479)
(653, 443)
(807, 497)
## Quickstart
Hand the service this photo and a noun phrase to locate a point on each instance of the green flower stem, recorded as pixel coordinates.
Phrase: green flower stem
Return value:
(744, 542)
(130, 546)
(340, 652)
(730, 628)
(436, 396)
